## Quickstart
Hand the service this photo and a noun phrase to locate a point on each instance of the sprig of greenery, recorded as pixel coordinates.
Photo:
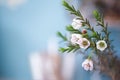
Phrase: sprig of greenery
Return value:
(85, 22)
(100, 22)
(72, 9)
(104, 56)
(72, 30)
(70, 48)
(59, 34)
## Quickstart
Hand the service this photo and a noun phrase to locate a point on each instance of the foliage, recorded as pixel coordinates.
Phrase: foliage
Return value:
(95, 36)
(108, 62)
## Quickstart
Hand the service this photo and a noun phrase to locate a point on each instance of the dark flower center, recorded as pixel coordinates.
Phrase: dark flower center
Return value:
(85, 43)
(101, 44)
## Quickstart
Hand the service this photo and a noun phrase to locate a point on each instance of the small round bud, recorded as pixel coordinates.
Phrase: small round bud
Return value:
(84, 31)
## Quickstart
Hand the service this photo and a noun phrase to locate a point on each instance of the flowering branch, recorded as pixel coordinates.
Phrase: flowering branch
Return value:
(84, 37)
(100, 22)
(80, 21)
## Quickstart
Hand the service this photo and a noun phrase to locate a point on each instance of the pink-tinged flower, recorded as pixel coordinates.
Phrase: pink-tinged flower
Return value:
(84, 43)
(88, 65)
(75, 38)
(77, 23)
(101, 45)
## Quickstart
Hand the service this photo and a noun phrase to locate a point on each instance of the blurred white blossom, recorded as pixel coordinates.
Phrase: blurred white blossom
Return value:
(75, 38)
(76, 23)
(84, 43)
(88, 65)
(101, 45)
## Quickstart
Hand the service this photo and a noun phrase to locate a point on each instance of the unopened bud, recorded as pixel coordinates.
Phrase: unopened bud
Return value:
(84, 31)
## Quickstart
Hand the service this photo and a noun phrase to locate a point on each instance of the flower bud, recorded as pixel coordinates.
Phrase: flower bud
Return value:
(84, 31)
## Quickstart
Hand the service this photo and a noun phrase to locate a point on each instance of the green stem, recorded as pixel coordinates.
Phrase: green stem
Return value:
(90, 55)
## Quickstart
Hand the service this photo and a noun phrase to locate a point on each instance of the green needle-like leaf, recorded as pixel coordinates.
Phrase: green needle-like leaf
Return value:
(72, 30)
(59, 34)
(96, 14)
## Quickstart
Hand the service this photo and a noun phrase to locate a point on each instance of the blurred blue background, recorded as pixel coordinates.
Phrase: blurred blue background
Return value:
(24, 29)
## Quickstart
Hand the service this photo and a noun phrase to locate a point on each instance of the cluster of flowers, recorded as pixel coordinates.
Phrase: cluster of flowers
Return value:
(84, 43)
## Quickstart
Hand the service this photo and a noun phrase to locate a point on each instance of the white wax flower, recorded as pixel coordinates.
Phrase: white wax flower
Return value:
(76, 23)
(101, 45)
(88, 65)
(84, 43)
(75, 38)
